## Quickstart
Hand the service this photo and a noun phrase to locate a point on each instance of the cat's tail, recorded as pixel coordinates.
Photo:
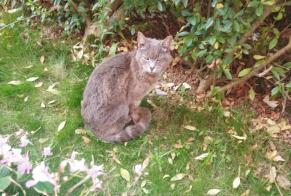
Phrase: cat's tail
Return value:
(131, 131)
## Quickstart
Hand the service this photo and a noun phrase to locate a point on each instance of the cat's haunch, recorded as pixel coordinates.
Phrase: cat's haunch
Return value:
(110, 106)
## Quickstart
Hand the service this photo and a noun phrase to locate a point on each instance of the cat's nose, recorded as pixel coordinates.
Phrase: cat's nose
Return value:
(152, 69)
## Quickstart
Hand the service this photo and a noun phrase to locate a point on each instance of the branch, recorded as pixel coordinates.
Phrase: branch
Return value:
(256, 70)
(258, 23)
(114, 6)
(75, 6)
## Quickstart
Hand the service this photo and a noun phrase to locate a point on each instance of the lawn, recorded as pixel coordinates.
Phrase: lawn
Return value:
(179, 132)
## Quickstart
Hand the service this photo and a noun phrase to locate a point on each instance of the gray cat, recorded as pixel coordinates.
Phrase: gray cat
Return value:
(111, 99)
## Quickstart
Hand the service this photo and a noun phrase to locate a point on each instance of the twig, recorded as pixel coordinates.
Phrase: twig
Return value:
(16, 21)
(281, 194)
(14, 182)
(77, 185)
(254, 27)
(259, 68)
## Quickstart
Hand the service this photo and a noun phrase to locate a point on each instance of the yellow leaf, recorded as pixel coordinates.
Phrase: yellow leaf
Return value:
(236, 182)
(41, 59)
(259, 57)
(125, 174)
(86, 140)
(177, 177)
(213, 191)
(61, 125)
(189, 127)
(219, 5)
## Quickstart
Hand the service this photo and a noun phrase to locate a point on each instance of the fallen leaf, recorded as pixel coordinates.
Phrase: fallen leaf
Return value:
(143, 183)
(51, 102)
(283, 182)
(86, 140)
(28, 67)
(213, 191)
(125, 174)
(61, 125)
(246, 193)
(186, 86)
(272, 174)
(178, 145)
(272, 104)
(172, 186)
(159, 92)
(32, 79)
(41, 59)
(52, 89)
(202, 156)
(25, 99)
(170, 161)
(166, 176)
(42, 105)
(189, 189)
(219, 5)
(15, 82)
(145, 191)
(80, 131)
(278, 158)
(226, 113)
(43, 140)
(146, 162)
(236, 182)
(178, 177)
(240, 137)
(39, 84)
(259, 57)
(189, 127)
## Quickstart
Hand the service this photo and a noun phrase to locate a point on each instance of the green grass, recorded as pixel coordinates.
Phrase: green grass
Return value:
(218, 170)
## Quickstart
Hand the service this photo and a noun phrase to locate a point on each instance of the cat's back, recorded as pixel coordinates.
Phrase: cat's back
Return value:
(108, 76)
(112, 66)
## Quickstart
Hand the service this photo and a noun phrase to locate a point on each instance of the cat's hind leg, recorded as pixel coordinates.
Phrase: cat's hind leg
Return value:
(141, 118)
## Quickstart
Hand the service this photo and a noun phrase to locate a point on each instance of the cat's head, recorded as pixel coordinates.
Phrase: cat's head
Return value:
(153, 56)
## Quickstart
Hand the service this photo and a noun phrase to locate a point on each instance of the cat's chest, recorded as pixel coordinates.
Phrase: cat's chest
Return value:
(138, 90)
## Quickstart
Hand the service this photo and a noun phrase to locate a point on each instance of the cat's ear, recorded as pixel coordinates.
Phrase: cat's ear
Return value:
(141, 39)
(167, 43)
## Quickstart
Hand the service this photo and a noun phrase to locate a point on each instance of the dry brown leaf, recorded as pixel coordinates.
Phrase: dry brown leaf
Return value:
(272, 104)
(86, 140)
(41, 59)
(190, 127)
(236, 183)
(178, 145)
(246, 193)
(283, 182)
(178, 177)
(272, 175)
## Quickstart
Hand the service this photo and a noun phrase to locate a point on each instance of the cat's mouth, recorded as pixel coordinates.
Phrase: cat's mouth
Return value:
(152, 73)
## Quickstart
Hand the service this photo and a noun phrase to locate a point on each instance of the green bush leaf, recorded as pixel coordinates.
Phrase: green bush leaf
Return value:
(125, 174)
(227, 73)
(4, 171)
(112, 49)
(288, 85)
(4, 182)
(288, 65)
(273, 43)
(260, 10)
(209, 23)
(192, 20)
(244, 72)
(252, 94)
(45, 188)
(275, 91)
(161, 6)
(259, 57)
